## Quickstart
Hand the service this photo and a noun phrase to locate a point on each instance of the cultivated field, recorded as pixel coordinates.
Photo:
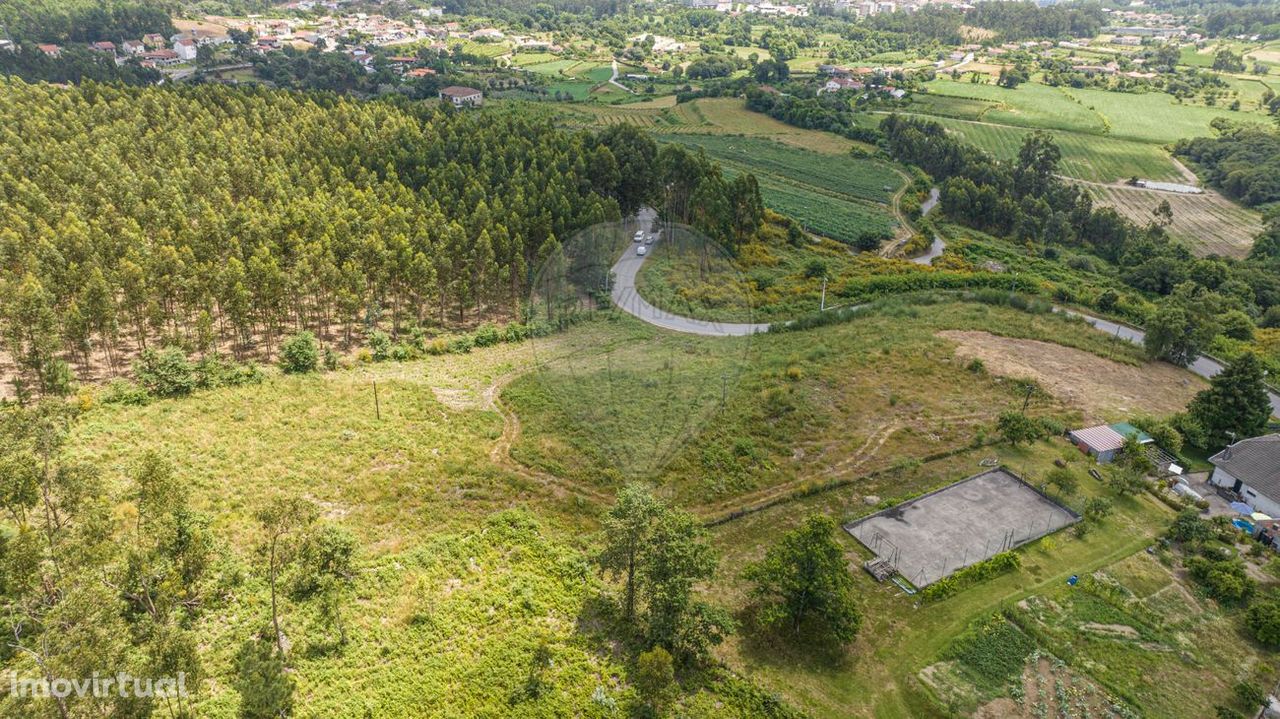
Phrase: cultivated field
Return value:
(711, 116)
(1209, 223)
(837, 197)
(1084, 157)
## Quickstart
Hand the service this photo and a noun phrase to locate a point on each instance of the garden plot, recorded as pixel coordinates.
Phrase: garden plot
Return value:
(932, 536)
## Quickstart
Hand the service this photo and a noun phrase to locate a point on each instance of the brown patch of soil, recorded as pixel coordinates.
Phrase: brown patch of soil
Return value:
(1102, 388)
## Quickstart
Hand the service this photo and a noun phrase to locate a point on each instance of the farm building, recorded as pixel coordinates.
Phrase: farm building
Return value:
(1104, 441)
(1251, 468)
(462, 96)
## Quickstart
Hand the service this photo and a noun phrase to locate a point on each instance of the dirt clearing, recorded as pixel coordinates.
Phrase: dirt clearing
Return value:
(1101, 388)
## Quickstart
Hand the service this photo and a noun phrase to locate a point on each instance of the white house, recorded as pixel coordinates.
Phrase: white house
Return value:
(186, 49)
(1251, 467)
(462, 96)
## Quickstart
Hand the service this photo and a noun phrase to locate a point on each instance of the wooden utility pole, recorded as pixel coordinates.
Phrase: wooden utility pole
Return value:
(377, 406)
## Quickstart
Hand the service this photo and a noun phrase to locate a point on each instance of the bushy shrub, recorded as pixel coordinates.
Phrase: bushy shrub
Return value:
(487, 336)
(380, 346)
(299, 354)
(1225, 580)
(165, 373)
(1263, 619)
(215, 371)
(124, 392)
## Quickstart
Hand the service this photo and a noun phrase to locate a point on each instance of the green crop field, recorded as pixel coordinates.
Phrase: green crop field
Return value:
(837, 197)
(1085, 157)
(1030, 105)
(823, 214)
(1152, 117)
(553, 67)
(849, 176)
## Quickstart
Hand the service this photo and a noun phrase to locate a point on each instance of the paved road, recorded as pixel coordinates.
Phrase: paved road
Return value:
(938, 246)
(628, 300)
(614, 80)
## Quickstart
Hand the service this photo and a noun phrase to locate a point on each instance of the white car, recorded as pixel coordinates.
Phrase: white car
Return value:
(640, 250)
(638, 236)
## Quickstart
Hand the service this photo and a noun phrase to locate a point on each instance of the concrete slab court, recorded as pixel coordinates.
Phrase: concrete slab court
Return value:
(929, 537)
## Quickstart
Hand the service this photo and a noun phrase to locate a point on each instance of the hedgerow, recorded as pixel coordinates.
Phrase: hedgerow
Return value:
(993, 566)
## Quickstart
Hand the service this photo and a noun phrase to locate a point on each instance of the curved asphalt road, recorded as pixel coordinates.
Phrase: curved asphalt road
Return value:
(627, 299)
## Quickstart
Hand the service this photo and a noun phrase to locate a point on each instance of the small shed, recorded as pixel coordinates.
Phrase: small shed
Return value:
(1103, 442)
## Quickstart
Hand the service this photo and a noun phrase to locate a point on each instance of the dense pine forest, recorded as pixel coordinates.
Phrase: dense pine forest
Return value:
(84, 20)
(211, 217)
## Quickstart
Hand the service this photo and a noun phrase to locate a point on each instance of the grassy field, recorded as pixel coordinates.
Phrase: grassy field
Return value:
(1030, 105)
(1085, 157)
(471, 560)
(1209, 223)
(852, 399)
(1152, 117)
(467, 564)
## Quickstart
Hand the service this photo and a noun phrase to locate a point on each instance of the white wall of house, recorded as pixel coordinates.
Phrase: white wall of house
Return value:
(1251, 496)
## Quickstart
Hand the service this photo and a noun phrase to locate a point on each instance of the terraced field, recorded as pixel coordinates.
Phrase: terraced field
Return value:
(1208, 223)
